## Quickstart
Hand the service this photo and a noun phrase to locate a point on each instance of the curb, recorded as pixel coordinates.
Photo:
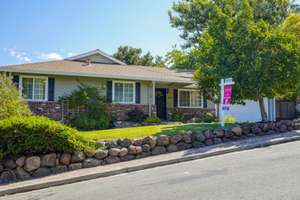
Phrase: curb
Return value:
(20, 189)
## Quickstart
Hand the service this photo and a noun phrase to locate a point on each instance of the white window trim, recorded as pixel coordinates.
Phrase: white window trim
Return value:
(189, 90)
(113, 92)
(40, 77)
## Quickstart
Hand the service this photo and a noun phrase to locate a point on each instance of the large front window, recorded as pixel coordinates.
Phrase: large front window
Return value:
(34, 88)
(189, 98)
(124, 92)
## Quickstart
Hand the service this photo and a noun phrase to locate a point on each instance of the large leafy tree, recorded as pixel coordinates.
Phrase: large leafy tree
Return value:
(238, 40)
(133, 56)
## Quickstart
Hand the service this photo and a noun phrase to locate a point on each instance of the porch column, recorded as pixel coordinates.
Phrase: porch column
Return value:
(153, 92)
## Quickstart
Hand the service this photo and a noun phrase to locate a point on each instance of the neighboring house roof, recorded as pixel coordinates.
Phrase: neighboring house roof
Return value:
(75, 66)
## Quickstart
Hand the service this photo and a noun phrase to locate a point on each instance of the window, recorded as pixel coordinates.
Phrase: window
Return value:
(34, 88)
(189, 99)
(123, 92)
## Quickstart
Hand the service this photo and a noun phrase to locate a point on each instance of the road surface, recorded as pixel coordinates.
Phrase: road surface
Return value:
(265, 173)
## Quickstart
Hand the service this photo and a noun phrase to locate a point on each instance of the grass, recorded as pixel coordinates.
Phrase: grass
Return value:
(143, 131)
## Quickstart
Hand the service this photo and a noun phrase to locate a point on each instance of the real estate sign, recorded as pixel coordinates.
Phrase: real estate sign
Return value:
(226, 93)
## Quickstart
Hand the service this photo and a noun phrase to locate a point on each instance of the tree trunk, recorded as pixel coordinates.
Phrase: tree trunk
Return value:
(264, 116)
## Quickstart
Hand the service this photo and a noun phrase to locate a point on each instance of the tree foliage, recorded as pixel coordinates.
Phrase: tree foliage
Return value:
(292, 24)
(11, 104)
(133, 56)
(238, 40)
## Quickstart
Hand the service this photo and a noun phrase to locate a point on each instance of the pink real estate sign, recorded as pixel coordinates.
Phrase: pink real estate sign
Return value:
(227, 94)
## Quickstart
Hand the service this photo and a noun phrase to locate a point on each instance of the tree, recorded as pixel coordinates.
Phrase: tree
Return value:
(193, 16)
(11, 104)
(292, 24)
(262, 59)
(133, 56)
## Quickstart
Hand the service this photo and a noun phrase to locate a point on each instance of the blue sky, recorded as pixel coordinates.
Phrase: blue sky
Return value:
(35, 30)
(38, 30)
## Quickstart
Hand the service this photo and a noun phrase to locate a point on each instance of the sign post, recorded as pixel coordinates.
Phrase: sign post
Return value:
(226, 93)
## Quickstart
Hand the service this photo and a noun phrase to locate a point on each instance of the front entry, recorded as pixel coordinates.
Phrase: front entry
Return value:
(161, 102)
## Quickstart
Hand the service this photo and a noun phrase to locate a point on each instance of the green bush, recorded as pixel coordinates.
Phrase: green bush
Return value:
(177, 117)
(152, 120)
(37, 135)
(205, 118)
(11, 104)
(92, 108)
(136, 116)
(230, 120)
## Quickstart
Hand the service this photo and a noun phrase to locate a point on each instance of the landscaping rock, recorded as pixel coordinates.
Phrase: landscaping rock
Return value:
(217, 140)
(48, 160)
(89, 153)
(75, 166)
(59, 169)
(265, 127)
(199, 136)
(91, 162)
(1, 168)
(133, 150)
(112, 144)
(10, 164)
(112, 159)
(283, 128)
(159, 150)
(65, 159)
(100, 144)
(208, 134)
(187, 138)
(290, 128)
(182, 146)
(146, 148)
(172, 148)
(113, 152)
(237, 131)
(198, 144)
(127, 157)
(100, 154)
(256, 130)
(246, 130)
(174, 139)
(138, 142)
(209, 142)
(162, 140)
(41, 172)
(32, 163)
(22, 174)
(219, 133)
(123, 152)
(125, 142)
(228, 133)
(21, 161)
(77, 157)
(7, 176)
(150, 140)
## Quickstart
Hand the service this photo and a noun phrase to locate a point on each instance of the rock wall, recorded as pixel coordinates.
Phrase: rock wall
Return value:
(114, 151)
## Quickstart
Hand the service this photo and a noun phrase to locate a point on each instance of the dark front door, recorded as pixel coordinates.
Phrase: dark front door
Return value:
(161, 102)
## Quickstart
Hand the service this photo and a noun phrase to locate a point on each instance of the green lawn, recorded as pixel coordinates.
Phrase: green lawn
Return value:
(143, 131)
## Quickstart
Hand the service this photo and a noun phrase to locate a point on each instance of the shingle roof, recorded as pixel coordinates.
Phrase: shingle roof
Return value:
(76, 68)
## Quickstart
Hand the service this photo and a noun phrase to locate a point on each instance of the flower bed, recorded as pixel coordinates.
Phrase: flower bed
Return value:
(114, 151)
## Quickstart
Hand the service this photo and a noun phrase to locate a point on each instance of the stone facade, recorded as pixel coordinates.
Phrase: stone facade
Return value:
(61, 112)
(189, 113)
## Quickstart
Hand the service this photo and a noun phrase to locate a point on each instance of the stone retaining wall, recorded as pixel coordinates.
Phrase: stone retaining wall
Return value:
(114, 151)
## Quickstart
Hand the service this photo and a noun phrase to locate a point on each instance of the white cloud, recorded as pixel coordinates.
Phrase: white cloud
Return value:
(50, 56)
(19, 55)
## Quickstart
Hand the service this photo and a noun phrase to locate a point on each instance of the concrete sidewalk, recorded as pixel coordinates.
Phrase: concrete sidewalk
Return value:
(149, 162)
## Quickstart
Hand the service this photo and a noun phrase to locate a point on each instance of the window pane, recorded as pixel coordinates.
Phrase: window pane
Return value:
(118, 92)
(195, 99)
(27, 84)
(39, 89)
(184, 97)
(128, 93)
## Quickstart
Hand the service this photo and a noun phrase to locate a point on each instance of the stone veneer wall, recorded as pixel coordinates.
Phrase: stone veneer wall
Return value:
(189, 113)
(61, 112)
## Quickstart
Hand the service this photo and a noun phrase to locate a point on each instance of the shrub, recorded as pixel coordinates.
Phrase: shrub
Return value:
(11, 104)
(89, 100)
(136, 116)
(152, 120)
(37, 135)
(177, 117)
(230, 119)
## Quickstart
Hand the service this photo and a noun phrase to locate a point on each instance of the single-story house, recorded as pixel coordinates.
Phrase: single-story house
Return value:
(156, 91)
